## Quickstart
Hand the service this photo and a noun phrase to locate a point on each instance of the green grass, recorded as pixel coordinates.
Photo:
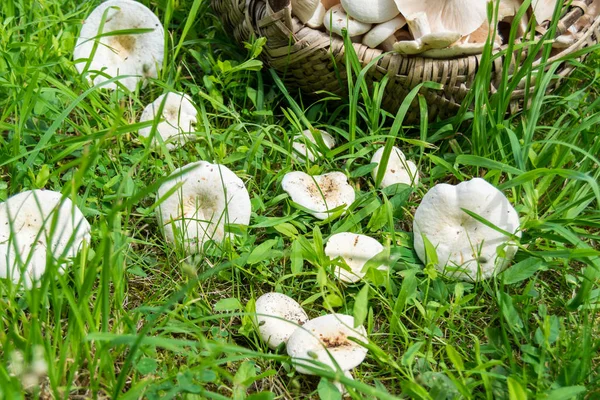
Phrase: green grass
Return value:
(135, 318)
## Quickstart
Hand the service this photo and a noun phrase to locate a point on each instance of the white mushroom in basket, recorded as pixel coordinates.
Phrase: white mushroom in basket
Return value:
(462, 16)
(336, 20)
(371, 11)
(424, 38)
(466, 248)
(383, 34)
(473, 43)
(311, 12)
(543, 9)
(320, 194)
(137, 55)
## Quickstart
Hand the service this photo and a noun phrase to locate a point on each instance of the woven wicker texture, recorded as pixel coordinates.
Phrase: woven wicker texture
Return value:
(305, 57)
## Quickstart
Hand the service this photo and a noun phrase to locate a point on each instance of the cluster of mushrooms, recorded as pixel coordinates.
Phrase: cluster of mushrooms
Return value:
(429, 28)
(201, 200)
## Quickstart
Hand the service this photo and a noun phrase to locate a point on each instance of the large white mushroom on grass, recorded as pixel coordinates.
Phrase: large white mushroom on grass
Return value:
(277, 317)
(101, 48)
(331, 340)
(178, 118)
(356, 250)
(466, 248)
(37, 225)
(320, 194)
(207, 198)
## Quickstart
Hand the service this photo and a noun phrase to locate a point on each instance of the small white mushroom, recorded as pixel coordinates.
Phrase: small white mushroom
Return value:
(210, 196)
(135, 54)
(355, 250)
(424, 39)
(310, 152)
(33, 223)
(179, 114)
(277, 317)
(336, 20)
(371, 11)
(384, 31)
(326, 339)
(462, 16)
(466, 248)
(399, 169)
(319, 193)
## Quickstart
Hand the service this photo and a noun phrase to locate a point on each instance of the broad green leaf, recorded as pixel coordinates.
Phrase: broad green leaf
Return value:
(261, 253)
(516, 391)
(522, 270)
(455, 357)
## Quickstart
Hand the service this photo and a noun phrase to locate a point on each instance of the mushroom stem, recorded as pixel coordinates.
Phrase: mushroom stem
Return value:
(340, 386)
(418, 25)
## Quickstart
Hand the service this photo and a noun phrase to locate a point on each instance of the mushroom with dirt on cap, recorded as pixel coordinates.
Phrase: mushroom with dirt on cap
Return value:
(179, 114)
(206, 198)
(277, 317)
(323, 194)
(329, 341)
(356, 250)
(465, 247)
(100, 47)
(36, 224)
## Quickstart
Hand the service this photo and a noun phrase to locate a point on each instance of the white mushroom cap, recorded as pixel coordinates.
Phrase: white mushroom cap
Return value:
(130, 54)
(543, 9)
(33, 223)
(319, 193)
(379, 33)
(210, 196)
(316, 20)
(311, 152)
(278, 316)
(399, 169)
(336, 20)
(466, 248)
(179, 114)
(371, 11)
(305, 9)
(355, 250)
(462, 16)
(324, 338)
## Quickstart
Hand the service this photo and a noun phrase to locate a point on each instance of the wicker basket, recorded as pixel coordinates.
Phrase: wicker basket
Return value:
(305, 57)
